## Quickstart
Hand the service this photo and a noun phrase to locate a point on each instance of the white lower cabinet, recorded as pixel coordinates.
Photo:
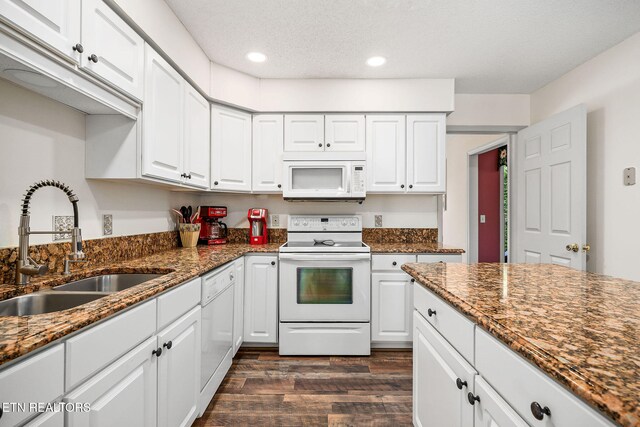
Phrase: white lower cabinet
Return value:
(261, 299)
(179, 371)
(441, 380)
(238, 306)
(124, 394)
(491, 410)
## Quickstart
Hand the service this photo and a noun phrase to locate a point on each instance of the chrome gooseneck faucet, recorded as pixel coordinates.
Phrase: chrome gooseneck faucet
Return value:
(26, 266)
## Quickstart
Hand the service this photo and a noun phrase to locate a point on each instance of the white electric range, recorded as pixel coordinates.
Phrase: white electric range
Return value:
(325, 287)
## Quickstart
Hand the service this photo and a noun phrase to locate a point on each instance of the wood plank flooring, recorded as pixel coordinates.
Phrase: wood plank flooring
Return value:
(265, 389)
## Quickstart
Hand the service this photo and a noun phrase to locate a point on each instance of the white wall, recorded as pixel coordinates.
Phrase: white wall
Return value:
(490, 110)
(413, 211)
(42, 139)
(235, 88)
(609, 85)
(455, 219)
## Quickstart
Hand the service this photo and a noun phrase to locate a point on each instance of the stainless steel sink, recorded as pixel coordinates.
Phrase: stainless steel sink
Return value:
(107, 282)
(46, 302)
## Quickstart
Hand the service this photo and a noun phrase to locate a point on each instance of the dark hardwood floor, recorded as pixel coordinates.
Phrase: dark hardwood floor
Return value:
(265, 389)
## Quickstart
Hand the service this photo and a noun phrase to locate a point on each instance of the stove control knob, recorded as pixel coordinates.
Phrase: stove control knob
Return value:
(305, 223)
(296, 222)
(353, 222)
(344, 222)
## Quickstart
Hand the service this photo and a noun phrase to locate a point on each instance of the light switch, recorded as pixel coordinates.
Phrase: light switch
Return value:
(378, 220)
(630, 176)
(483, 219)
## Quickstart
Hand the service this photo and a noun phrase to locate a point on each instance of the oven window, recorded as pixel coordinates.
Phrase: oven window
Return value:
(325, 285)
(310, 178)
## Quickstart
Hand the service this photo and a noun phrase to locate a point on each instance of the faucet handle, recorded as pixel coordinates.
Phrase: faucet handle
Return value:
(33, 268)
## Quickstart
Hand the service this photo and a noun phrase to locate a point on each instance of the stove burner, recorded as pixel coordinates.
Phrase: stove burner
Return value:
(324, 242)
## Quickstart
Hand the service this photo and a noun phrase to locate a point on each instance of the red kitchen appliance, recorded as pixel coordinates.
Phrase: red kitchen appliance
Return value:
(258, 233)
(212, 230)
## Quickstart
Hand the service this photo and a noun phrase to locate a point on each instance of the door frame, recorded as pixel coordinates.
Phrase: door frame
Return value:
(509, 140)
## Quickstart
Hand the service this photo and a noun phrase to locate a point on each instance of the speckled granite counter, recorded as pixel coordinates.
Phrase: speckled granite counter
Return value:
(582, 329)
(20, 335)
(413, 248)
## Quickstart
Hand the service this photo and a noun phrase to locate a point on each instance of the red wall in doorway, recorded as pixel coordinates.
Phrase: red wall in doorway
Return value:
(489, 202)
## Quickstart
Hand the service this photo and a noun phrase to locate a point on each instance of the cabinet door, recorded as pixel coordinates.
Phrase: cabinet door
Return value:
(426, 134)
(55, 23)
(122, 394)
(118, 49)
(179, 371)
(437, 401)
(303, 132)
(268, 142)
(162, 119)
(196, 139)
(392, 307)
(261, 299)
(491, 410)
(386, 159)
(344, 132)
(48, 419)
(238, 306)
(230, 150)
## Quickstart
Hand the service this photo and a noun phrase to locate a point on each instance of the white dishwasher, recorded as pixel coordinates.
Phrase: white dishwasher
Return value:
(217, 331)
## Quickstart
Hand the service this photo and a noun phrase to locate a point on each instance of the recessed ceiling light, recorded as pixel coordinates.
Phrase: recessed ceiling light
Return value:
(376, 61)
(256, 57)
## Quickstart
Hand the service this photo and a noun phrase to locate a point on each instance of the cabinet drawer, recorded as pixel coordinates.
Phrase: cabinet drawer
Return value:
(390, 262)
(456, 328)
(520, 384)
(38, 378)
(216, 281)
(440, 258)
(177, 302)
(94, 349)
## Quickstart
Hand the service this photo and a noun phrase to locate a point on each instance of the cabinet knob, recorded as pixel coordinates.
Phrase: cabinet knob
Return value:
(473, 399)
(401, 185)
(183, 175)
(279, 185)
(538, 411)
(273, 263)
(320, 145)
(431, 312)
(460, 384)
(215, 182)
(78, 48)
(394, 263)
(168, 345)
(157, 352)
(1, 411)
(410, 185)
(93, 58)
(413, 280)
(188, 176)
(328, 144)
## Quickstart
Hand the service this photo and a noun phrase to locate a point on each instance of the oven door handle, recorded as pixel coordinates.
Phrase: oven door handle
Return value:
(325, 257)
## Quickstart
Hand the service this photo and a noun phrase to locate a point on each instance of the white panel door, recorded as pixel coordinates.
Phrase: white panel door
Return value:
(267, 147)
(437, 401)
(230, 150)
(261, 299)
(118, 49)
(124, 394)
(392, 307)
(162, 119)
(426, 134)
(238, 306)
(196, 139)
(303, 132)
(55, 23)
(491, 410)
(551, 186)
(386, 160)
(179, 371)
(344, 132)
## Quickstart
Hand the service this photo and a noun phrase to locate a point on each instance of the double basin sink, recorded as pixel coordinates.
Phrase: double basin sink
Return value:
(71, 294)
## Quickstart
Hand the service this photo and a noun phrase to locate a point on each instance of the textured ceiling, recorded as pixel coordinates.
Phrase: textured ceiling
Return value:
(488, 46)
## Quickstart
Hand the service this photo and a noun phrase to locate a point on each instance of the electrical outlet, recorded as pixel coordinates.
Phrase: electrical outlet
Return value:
(629, 176)
(275, 220)
(107, 225)
(378, 220)
(62, 223)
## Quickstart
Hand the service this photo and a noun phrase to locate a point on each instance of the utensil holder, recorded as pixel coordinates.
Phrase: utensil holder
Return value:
(189, 234)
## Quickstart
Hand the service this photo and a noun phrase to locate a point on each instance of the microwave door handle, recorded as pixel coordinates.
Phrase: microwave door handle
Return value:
(348, 173)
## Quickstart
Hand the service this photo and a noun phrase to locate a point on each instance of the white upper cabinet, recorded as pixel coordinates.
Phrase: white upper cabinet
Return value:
(111, 49)
(56, 23)
(230, 150)
(196, 139)
(344, 132)
(162, 119)
(386, 160)
(268, 142)
(426, 135)
(303, 132)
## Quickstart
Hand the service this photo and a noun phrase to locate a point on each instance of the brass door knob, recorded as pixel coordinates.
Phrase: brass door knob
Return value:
(573, 247)
(586, 248)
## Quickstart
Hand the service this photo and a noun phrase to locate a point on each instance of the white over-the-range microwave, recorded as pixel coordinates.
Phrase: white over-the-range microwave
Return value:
(325, 176)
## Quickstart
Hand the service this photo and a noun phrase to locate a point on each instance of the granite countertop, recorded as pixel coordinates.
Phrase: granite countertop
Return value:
(20, 335)
(582, 329)
(413, 248)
